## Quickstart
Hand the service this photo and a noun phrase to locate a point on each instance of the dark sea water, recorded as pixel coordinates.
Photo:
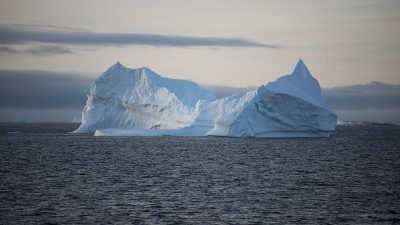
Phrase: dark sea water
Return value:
(48, 176)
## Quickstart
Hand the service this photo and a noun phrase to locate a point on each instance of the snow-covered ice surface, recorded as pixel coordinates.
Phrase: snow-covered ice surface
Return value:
(140, 99)
(139, 102)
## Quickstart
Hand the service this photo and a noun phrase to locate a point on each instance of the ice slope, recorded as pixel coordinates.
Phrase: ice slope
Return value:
(291, 106)
(300, 84)
(140, 99)
(139, 102)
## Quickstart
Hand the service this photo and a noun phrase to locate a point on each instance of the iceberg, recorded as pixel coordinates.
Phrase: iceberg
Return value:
(140, 102)
(139, 99)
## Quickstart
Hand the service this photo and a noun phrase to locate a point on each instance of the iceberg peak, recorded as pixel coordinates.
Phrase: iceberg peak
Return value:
(301, 70)
(301, 83)
(117, 64)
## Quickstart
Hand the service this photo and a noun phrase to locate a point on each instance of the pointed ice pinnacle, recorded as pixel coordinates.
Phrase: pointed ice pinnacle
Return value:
(117, 65)
(301, 70)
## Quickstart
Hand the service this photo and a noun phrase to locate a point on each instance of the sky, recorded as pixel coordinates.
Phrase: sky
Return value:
(59, 47)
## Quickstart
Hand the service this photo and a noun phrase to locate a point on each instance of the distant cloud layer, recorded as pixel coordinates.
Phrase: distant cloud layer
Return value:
(48, 50)
(374, 95)
(37, 50)
(42, 89)
(7, 49)
(47, 92)
(22, 34)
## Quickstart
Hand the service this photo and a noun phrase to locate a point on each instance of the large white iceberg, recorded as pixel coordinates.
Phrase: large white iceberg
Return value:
(139, 102)
(140, 98)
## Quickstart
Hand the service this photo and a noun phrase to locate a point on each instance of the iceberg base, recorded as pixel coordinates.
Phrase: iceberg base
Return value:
(199, 133)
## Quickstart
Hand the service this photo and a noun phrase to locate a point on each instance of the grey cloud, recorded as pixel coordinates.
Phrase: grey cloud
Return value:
(375, 101)
(6, 49)
(42, 89)
(374, 95)
(49, 50)
(17, 34)
(38, 50)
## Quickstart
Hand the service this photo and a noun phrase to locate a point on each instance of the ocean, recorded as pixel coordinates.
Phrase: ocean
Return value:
(49, 176)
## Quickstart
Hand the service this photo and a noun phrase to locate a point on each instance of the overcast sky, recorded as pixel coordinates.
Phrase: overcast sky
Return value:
(216, 43)
(226, 42)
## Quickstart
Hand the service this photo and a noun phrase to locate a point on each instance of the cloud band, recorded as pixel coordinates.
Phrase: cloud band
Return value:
(21, 34)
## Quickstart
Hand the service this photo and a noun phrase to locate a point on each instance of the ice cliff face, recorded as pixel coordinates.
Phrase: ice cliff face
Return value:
(125, 102)
(140, 98)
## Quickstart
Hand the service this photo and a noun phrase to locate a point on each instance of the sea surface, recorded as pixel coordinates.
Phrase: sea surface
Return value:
(49, 176)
